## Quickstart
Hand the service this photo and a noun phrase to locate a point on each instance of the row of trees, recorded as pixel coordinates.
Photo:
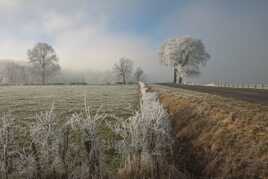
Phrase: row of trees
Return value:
(15, 73)
(44, 64)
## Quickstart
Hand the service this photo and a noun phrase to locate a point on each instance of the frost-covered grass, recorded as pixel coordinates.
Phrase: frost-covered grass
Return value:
(60, 131)
(24, 102)
(70, 149)
(147, 141)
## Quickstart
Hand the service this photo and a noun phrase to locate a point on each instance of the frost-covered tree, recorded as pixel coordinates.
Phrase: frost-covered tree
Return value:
(44, 60)
(186, 54)
(123, 69)
(139, 74)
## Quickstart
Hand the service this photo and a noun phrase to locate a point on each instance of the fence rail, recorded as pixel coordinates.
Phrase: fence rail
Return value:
(240, 85)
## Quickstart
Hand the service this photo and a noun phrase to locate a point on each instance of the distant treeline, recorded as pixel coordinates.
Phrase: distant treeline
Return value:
(22, 73)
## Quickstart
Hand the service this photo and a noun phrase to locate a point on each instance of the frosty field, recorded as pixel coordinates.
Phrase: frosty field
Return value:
(30, 130)
(23, 102)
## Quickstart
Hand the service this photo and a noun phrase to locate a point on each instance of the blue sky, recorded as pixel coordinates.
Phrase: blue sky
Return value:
(145, 17)
(93, 34)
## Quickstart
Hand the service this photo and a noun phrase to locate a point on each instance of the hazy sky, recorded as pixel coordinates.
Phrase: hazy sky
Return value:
(93, 34)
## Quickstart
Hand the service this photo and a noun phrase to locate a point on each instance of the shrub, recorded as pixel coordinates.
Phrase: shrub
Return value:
(146, 140)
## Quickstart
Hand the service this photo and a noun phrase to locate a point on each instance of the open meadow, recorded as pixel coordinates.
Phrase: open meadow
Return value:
(24, 102)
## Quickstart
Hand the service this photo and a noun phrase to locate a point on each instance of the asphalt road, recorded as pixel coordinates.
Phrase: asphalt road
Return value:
(259, 96)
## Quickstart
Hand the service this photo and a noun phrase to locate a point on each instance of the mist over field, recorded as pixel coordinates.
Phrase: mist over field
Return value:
(90, 36)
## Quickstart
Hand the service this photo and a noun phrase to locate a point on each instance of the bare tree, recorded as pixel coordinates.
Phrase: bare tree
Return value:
(44, 60)
(123, 69)
(139, 74)
(186, 54)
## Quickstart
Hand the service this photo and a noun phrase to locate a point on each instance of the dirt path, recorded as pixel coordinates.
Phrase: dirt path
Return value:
(258, 96)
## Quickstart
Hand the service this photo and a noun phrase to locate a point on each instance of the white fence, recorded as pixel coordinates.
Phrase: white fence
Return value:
(240, 85)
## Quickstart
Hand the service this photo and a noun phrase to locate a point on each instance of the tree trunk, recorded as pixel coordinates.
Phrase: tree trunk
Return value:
(175, 74)
(180, 80)
(43, 72)
(43, 77)
(124, 80)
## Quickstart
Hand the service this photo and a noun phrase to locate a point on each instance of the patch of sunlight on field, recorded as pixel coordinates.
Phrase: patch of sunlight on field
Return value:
(25, 101)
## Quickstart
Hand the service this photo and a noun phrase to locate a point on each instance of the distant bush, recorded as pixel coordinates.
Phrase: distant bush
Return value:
(129, 83)
(78, 83)
(57, 84)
